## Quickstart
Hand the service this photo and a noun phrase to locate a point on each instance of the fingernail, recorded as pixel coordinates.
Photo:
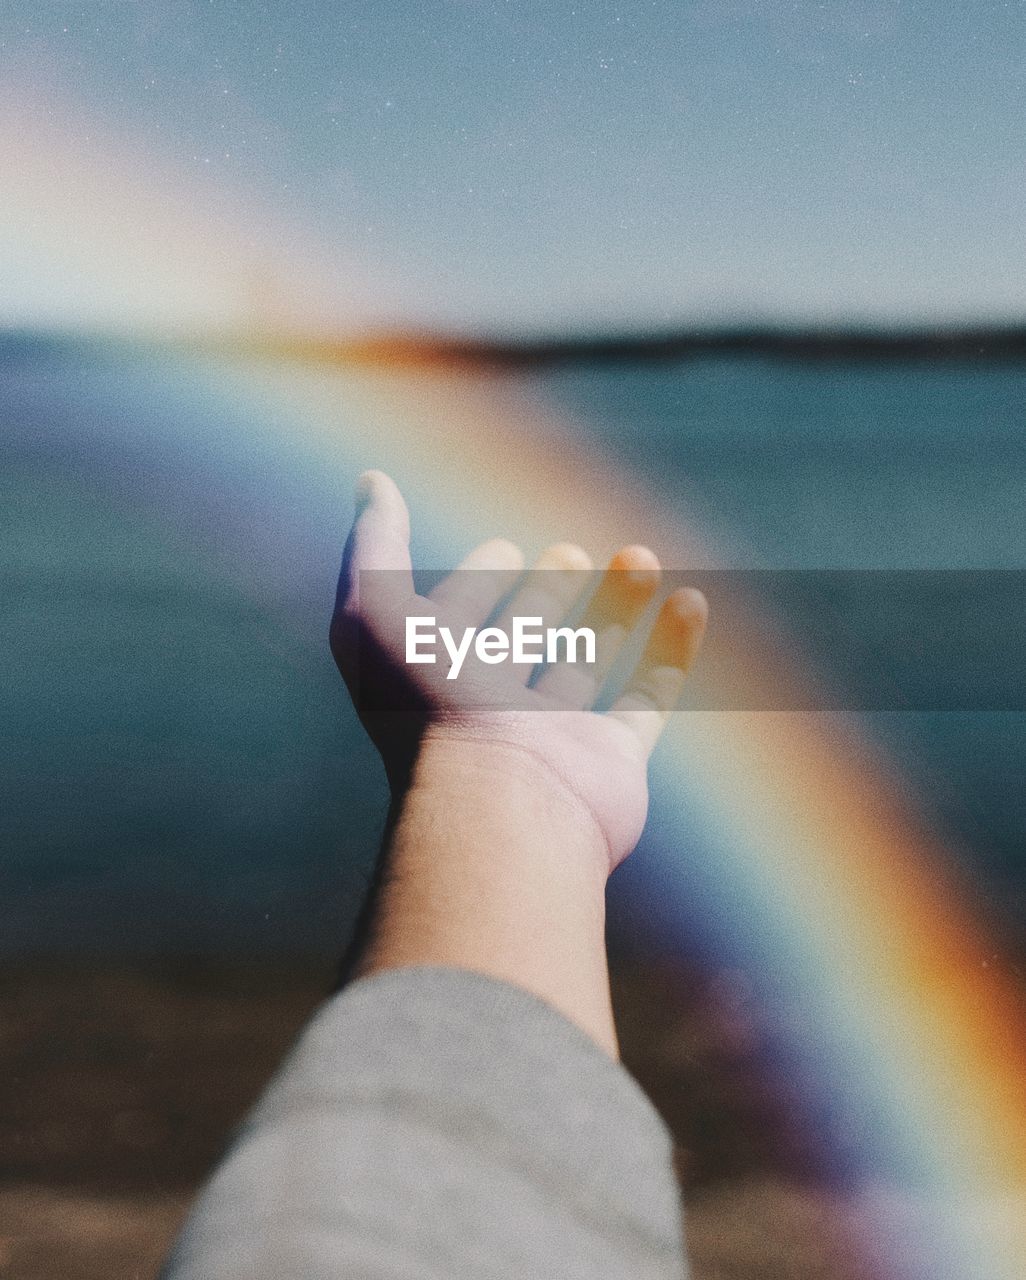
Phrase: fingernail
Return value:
(638, 565)
(688, 602)
(364, 490)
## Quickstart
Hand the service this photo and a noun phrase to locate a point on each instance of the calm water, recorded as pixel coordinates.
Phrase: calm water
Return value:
(180, 767)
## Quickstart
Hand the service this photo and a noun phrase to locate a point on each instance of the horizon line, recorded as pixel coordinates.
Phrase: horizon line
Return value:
(951, 341)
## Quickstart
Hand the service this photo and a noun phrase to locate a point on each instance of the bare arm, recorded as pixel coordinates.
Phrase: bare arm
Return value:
(457, 1111)
(493, 868)
(509, 823)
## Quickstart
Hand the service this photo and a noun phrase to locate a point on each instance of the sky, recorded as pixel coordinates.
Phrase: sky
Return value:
(496, 167)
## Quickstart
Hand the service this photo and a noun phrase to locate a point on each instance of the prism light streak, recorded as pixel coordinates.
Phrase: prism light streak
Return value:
(808, 856)
(910, 1019)
(103, 233)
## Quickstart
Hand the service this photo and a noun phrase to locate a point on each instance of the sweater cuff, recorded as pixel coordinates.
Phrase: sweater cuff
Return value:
(493, 1057)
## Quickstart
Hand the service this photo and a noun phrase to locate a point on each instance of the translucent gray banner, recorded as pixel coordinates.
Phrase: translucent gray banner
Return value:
(777, 640)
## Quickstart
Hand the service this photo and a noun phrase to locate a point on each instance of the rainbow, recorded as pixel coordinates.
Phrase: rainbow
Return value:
(781, 843)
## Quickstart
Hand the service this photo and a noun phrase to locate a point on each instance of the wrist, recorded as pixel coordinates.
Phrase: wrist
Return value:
(487, 776)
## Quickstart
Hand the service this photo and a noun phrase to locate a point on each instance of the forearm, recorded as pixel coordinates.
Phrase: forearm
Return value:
(494, 867)
(453, 1076)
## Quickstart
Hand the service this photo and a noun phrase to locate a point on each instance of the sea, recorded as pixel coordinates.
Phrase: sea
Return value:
(181, 771)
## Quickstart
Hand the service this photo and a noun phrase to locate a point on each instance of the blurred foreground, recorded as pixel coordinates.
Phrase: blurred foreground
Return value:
(121, 1086)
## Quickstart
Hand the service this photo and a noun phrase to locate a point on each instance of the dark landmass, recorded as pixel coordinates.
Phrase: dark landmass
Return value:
(1005, 345)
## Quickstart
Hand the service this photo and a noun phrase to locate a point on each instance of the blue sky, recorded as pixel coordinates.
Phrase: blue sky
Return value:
(527, 166)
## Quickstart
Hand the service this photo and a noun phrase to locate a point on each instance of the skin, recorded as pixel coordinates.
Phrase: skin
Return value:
(505, 823)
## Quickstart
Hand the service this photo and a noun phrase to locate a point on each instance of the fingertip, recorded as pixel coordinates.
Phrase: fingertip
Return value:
(565, 555)
(496, 553)
(634, 574)
(377, 494)
(679, 630)
(508, 553)
(364, 490)
(372, 486)
(637, 562)
(688, 605)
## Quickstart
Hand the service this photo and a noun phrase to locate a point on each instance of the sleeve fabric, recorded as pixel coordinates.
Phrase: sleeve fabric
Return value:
(435, 1124)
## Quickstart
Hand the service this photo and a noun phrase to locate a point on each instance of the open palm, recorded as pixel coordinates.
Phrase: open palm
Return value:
(598, 762)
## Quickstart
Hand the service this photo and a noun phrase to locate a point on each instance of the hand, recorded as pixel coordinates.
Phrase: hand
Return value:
(491, 719)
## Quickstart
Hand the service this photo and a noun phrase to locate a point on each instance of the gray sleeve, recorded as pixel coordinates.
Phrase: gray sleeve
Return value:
(433, 1124)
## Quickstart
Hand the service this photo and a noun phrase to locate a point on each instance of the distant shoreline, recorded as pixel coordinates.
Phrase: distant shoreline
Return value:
(940, 345)
(1004, 345)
